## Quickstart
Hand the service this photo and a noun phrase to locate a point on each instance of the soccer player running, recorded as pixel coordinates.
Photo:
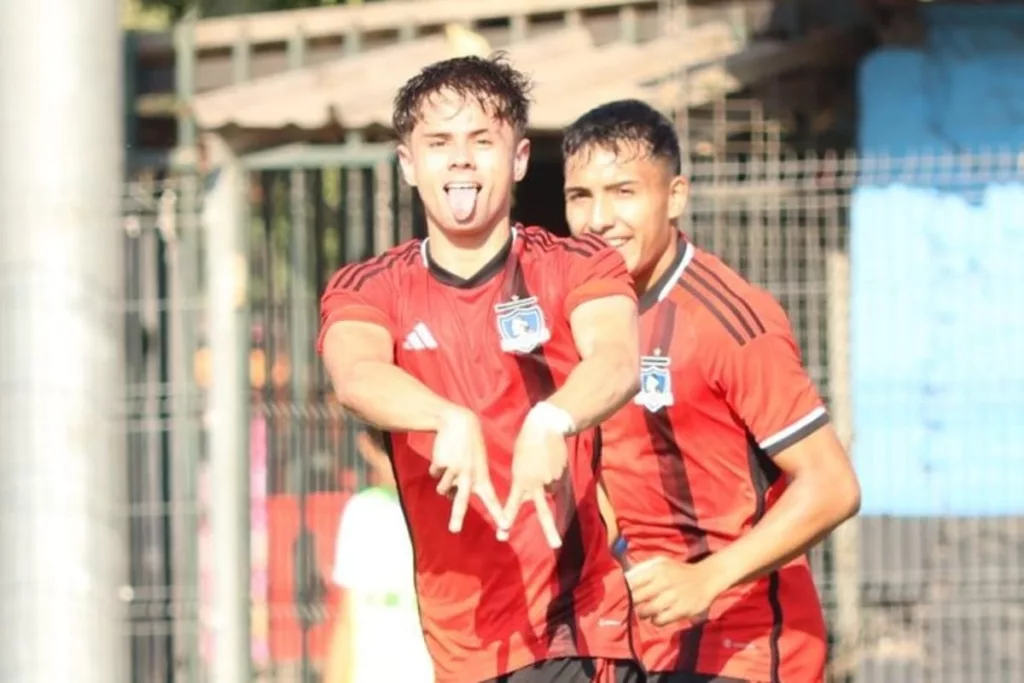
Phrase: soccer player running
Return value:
(488, 351)
(724, 470)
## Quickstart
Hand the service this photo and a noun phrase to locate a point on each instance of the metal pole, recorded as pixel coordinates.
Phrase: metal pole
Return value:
(227, 268)
(62, 349)
(845, 540)
(183, 267)
(299, 350)
(299, 353)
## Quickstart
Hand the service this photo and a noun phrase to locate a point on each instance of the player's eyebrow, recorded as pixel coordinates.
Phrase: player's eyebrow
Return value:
(615, 185)
(448, 135)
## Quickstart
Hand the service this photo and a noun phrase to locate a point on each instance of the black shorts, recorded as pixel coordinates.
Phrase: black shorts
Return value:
(574, 670)
(680, 677)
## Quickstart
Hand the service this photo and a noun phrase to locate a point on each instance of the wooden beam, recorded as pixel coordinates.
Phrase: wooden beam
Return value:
(300, 155)
(757, 63)
(324, 22)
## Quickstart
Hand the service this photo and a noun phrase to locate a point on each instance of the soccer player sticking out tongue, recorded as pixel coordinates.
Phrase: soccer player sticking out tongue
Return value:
(488, 352)
(724, 471)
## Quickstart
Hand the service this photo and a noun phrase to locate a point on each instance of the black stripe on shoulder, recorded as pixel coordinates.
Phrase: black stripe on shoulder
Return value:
(343, 274)
(411, 255)
(714, 309)
(715, 293)
(402, 255)
(355, 276)
(575, 245)
(698, 265)
(348, 273)
(539, 238)
(593, 241)
(545, 241)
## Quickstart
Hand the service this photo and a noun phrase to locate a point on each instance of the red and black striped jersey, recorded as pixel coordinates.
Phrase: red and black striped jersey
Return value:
(688, 465)
(497, 343)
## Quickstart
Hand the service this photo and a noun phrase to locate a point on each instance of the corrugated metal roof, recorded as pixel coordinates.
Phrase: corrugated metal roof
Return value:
(570, 72)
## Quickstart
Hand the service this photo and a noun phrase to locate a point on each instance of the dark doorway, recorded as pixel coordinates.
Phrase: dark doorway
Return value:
(538, 198)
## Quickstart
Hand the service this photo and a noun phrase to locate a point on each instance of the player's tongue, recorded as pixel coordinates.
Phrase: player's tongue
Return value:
(461, 200)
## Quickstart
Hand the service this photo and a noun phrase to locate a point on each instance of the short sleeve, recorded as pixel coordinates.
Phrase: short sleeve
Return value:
(355, 537)
(766, 385)
(593, 270)
(359, 292)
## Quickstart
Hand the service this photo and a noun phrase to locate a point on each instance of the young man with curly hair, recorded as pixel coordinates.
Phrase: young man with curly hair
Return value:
(488, 352)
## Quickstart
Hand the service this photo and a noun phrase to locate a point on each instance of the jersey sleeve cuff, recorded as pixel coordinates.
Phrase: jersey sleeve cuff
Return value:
(795, 432)
(356, 313)
(597, 289)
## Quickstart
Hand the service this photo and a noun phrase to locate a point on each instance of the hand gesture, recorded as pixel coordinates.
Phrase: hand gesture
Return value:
(665, 591)
(538, 461)
(459, 463)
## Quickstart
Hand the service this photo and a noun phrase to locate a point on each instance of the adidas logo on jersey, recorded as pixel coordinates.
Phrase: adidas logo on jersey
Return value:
(419, 339)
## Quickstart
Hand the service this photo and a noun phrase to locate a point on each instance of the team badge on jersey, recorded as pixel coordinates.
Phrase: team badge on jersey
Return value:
(655, 384)
(521, 325)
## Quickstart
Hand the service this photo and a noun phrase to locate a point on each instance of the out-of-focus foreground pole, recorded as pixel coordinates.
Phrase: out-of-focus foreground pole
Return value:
(227, 268)
(62, 472)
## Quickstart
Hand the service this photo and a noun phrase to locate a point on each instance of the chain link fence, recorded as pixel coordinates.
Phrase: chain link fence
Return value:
(900, 278)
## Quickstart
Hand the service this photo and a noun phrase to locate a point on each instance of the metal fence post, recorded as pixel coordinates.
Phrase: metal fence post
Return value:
(227, 269)
(184, 307)
(63, 542)
(845, 540)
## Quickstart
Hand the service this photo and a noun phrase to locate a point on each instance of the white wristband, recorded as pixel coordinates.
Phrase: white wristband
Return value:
(552, 417)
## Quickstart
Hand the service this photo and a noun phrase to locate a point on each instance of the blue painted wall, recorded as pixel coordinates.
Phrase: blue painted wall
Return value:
(937, 257)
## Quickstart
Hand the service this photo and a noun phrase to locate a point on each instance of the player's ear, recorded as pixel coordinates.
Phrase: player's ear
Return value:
(405, 161)
(678, 196)
(521, 161)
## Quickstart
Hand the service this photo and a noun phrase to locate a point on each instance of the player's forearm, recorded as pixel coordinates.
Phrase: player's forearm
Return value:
(391, 399)
(598, 386)
(804, 515)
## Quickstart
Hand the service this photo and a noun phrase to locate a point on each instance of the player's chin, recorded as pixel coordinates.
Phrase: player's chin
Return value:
(629, 251)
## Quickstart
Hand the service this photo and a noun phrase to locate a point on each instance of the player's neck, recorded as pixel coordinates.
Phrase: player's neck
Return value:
(465, 255)
(644, 281)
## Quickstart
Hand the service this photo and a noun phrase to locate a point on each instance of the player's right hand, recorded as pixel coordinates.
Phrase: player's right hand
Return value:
(459, 463)
(539, 463)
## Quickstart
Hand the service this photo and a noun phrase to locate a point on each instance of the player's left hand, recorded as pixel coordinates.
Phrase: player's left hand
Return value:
(538, 461)
(666, 591)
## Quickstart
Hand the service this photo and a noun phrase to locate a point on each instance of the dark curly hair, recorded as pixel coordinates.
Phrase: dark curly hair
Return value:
(623, 122)
(493, 82)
